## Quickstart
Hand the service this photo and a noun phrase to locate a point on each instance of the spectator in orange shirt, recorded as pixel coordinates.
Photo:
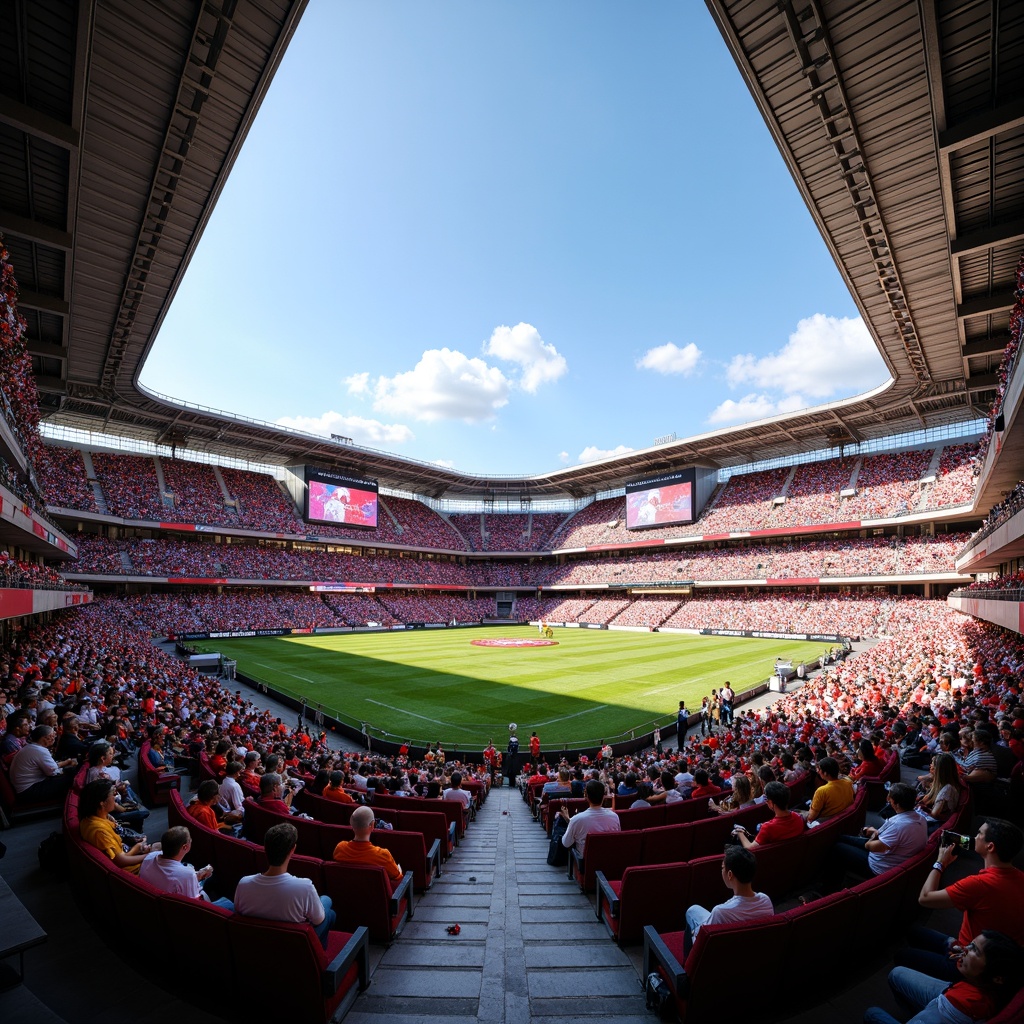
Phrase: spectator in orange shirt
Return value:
(203, 808)
(334, 790)
(359, 849)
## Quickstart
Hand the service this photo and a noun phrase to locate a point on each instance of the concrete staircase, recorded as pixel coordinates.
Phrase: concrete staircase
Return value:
(530, 950)
(94, 484)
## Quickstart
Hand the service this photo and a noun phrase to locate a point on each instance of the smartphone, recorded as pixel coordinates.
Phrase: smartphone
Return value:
(956, 840)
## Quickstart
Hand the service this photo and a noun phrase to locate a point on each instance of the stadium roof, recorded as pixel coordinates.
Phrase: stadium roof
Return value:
(902, 124)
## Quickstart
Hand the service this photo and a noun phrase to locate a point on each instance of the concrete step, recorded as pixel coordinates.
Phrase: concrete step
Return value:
(529, 951)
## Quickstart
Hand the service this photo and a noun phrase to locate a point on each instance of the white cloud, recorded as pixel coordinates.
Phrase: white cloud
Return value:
(592, 453)
(750, 407)
(541, 363)
(670, 358)
(360, 429)
(357, 384)
(443, 463)
(444, 385)
(563, 457)
(755, 407)
(824, 355)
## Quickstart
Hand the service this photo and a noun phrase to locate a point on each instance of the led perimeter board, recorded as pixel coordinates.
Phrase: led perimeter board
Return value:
(661, 500)
(335, 498)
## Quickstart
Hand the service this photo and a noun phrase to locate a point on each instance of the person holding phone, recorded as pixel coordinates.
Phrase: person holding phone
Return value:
(991, 899)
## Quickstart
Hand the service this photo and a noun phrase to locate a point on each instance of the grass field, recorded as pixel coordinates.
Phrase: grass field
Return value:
(432, 685)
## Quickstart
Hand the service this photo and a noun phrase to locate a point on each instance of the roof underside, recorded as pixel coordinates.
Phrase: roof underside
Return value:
(902, 124)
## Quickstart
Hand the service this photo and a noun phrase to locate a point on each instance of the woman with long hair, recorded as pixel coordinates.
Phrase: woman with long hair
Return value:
(942, 797)
(741, 797)
(868, 765)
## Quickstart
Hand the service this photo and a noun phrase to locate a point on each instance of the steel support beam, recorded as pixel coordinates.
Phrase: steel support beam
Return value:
(1002, 233)
(982, 382)
(982, 305)
(44, 303)
(37, 124)
(993, 346)
(971, 130)
(34, 231)
(45, 349)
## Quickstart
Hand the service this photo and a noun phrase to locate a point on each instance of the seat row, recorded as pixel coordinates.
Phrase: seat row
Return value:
(362, 896)
(638, 894)
(318, 839)
(433, 824)
(155, 784)
(648, 835)
(857, 918)
(307, 983)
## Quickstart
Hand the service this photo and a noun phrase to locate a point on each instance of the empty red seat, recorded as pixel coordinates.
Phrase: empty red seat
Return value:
(283, 973)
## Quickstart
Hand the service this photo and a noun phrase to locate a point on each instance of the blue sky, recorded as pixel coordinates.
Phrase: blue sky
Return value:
(510, 237)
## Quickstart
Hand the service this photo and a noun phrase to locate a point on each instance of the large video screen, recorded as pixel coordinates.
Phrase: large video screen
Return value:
(333, 498)
(660, 501)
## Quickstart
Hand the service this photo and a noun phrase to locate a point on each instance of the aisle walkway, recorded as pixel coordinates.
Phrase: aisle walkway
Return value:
(530, 949)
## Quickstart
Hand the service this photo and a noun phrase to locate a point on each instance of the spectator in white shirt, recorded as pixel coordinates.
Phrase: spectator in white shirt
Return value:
(163, 869)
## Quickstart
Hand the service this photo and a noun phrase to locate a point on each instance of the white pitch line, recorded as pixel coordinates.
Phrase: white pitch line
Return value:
(305, 679)
(412, 714)
(565, 718)
(660, 689)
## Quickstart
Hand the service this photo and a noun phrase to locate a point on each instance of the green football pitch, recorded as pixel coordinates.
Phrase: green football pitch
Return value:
(435, 685)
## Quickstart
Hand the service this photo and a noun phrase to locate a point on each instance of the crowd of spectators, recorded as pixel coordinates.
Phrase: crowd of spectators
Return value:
(199, 610)
(1009, 361)
(812, 494)
(949, 669)
(1005, 509)
(64, 481)
(133, 690)
(497, 531)
(649, 611)
(885, 483)
(601, 522)
(400, 521)
(1009, 581)
(260, 504)
(470, 525)
(201, 557)
(956, 479)
(15, 572)
(431, 607)
(743, 501)
(196, 493)
(849, 614)
(799, 559)
(542, 528)
(19, 397)
(130, 486)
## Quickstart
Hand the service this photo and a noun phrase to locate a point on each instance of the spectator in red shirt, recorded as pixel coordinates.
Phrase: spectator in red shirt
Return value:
(274, 796)
(785, 824)
(992, 898)
(702, 788)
